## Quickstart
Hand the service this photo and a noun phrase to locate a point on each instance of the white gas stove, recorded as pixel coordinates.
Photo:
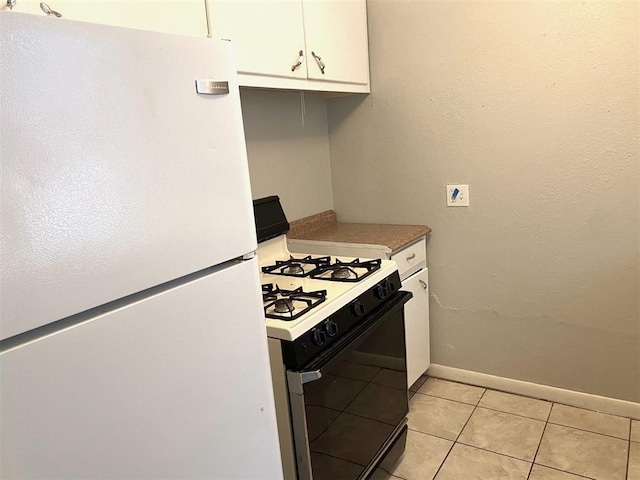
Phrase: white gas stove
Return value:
(326, 318)
(301, 291)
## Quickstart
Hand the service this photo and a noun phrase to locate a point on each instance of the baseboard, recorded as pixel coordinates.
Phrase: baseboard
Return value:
(544, 392)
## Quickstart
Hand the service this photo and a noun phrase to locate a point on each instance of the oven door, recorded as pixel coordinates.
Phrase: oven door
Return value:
(349, 405)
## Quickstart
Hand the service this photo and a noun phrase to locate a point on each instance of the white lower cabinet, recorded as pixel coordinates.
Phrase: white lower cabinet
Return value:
(417, 325)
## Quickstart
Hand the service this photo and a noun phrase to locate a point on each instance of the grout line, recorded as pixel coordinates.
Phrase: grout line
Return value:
(460, 433)
(511, 413)
(588, 431)
(494, 452)
(529, 396)
(442, 398)
(431, 434)
(453, 444)
(533, 461)
(483, 406)
(564, 471)
(626, 474)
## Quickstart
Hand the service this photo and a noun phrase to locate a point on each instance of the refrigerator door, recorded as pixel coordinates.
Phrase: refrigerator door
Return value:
(116, 175)
(174, 386)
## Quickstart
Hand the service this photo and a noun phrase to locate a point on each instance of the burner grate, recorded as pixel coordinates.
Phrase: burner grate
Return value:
(340, 271)
(296, 267)
(288, 305)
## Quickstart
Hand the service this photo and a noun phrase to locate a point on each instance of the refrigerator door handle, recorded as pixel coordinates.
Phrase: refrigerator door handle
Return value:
(296, 380)
(211, 87)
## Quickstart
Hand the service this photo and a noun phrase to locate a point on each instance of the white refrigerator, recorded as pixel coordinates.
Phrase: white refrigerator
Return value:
(132, 338)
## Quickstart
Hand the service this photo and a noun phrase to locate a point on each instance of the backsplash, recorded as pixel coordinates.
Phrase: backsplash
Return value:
(288, 149)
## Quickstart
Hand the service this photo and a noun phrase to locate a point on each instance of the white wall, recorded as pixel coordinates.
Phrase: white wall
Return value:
(288, 149)
(536, 106)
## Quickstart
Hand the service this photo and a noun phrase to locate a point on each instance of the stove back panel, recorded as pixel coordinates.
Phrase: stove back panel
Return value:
(271, 221)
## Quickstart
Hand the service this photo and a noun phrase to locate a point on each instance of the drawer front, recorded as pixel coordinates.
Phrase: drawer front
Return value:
(411, 259)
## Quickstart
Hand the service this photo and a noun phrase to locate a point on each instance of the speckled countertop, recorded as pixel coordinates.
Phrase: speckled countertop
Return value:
(324, 227)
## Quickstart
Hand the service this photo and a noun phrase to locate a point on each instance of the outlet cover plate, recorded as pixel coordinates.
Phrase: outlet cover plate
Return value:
(457, 195)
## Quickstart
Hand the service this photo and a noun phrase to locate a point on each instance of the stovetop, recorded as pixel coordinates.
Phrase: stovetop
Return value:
(299, 294)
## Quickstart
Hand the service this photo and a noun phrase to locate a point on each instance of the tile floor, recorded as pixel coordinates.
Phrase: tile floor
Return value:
(461, 432)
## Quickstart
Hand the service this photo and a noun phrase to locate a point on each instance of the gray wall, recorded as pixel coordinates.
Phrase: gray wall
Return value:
(535, 106)
(288, 149)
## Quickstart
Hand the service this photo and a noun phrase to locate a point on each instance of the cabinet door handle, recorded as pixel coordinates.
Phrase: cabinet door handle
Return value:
(411, 257)
(11, 4)
(300, 60)
(47, 9)
(423, 284)
(319, 61)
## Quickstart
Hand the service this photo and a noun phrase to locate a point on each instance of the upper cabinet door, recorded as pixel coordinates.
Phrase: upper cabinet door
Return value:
(267, 35)
(186, 17)
(336, 31)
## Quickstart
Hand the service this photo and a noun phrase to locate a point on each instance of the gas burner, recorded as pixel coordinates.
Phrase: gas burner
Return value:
(339, 271)
(289, 304)
(283, 305)
(342, 273)
(296, 267)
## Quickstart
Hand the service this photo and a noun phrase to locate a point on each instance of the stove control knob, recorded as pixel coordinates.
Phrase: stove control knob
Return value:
(331, 328)
(390, 287)
(318, 337)
(380, 291)
(358, 308)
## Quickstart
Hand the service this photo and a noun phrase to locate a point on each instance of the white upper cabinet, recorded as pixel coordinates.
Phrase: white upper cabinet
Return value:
(269, 36)
(186, 17)
(336, 31)
(19, 6)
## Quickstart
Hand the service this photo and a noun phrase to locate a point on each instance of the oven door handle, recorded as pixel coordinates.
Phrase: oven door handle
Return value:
(296, 380)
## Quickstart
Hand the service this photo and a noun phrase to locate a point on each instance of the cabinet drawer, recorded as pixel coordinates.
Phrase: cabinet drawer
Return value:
(411, 259)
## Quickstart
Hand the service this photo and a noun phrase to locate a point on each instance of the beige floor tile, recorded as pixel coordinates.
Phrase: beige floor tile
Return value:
(468, 463)
(506, 402)
(418, 383)
(437, 416)
(635, 430)
(590, 421)
(543, 473)
(452, 391)
(634, 462)
(422, 457)
(503, 433)
(583, 453)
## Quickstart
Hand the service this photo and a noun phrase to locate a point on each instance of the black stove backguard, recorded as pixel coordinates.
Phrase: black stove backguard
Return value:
(270, 219)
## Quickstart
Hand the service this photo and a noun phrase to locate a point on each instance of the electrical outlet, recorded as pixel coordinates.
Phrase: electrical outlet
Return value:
(457, 195)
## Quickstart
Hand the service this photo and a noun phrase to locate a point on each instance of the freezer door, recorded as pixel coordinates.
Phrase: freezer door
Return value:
(174, 386)
(116, 175)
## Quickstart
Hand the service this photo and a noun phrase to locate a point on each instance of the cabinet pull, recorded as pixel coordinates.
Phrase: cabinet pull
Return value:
(47, 9)
(423, 284)
(300, 60)
(319, 61)
(11, 4)
(411, 257)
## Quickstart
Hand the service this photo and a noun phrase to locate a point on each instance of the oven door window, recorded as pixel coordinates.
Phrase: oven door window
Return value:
(355, 406)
